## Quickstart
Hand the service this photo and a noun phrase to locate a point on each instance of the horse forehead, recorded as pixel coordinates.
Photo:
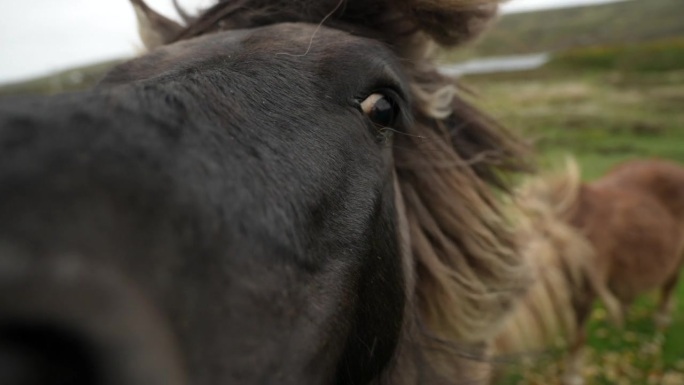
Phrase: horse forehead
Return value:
(309, 36)
(280, 40)
(300, 46)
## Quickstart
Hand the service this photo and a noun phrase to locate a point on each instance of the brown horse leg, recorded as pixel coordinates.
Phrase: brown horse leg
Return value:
(614, 307)
(572, 373)
(663, 316)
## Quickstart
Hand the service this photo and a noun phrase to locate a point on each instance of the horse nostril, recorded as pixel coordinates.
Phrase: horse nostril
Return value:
(44, 354)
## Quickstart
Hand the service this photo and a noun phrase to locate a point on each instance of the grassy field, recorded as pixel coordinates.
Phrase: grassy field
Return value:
(602, 115)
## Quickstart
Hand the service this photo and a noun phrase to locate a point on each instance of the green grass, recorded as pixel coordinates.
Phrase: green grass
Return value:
(653, 56)
(637, 355)
(602, 115)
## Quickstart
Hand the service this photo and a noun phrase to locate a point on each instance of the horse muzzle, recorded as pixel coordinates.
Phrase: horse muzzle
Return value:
(65, 322)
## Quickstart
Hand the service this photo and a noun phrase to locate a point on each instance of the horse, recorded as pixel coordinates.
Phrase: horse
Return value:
(612, 239)
(277, 192)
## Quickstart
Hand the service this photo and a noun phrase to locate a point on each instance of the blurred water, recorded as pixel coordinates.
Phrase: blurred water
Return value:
(497, 64)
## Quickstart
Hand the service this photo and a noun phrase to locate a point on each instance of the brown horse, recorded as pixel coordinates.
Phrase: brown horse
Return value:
(612, 239)
(280, 192)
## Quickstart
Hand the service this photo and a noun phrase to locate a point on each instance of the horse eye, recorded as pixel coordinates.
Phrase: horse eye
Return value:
(380, 109)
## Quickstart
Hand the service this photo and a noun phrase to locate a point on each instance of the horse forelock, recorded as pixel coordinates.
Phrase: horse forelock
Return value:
(448, 22)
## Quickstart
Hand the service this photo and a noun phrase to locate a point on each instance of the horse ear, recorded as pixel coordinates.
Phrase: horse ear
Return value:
(450, 22)
(155, 30)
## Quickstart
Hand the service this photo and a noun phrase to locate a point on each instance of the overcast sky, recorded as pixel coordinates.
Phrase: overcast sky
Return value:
(42, 36)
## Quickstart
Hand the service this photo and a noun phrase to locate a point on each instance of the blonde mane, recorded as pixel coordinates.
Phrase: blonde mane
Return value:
(560, 257)
(468, 271)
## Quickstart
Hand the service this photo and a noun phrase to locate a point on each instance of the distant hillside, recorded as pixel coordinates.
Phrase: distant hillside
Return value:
(560, 29)
(70, 80)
